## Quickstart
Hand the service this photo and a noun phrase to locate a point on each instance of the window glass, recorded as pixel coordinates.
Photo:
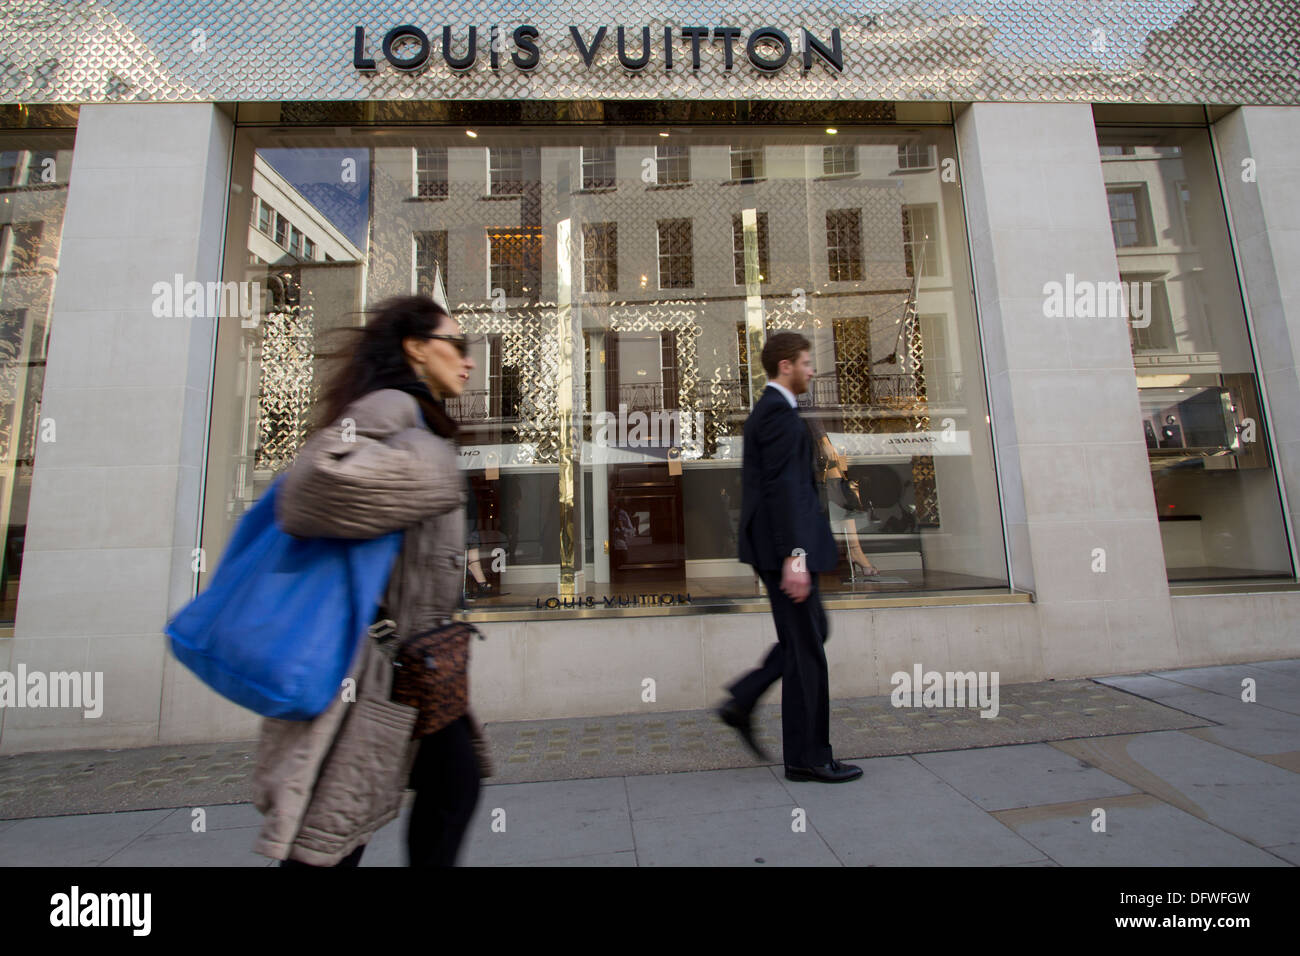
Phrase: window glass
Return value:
(1212, 472)
(640, 497)
(837, 160)
(746, 163)
(598, 167)
(33, 193)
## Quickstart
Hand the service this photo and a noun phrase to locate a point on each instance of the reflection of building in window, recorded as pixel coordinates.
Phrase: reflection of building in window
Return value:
(672, 165)
(921, 240)
(852, 343)
(738, 246)
(281, 231)
(837, 160)
(264, 217)
(430, 255)
(844, 244)
(939, 383)
(505, 171)
(515, 260)
(295, 241)
(308, 248)
(598, 167)
(747, 163)
(24, 167)
(916, 156)
(20, 246)
(600, 257)
(1159, 335)
(676, 254)
(1130, 216)
(431, 173)
(1185, 207)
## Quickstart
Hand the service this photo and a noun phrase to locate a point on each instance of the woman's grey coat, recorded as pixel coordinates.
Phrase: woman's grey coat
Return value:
(326, 785)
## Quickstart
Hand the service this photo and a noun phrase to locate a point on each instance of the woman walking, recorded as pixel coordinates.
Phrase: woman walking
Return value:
(381, 457)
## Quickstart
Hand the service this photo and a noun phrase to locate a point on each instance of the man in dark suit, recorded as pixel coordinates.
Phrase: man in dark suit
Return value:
(785, 536)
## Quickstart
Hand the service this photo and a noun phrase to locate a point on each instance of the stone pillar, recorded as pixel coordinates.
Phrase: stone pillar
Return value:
(116, 496)
(1063, 393)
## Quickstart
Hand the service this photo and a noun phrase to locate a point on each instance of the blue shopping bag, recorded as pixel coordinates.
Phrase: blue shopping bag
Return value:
(278, 627)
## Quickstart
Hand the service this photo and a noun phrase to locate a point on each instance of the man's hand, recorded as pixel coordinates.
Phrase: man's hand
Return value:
(795, 583)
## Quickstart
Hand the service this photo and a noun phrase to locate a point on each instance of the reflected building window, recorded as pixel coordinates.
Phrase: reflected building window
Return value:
(600, 257)
(676, 254)
(20, 245)
(839, 160)
(672, 165)
(844, 244)
(916, 156)
(430, 257)
(515, 261)
(598, 167)
(921, 240)
(505, 171)
(431, 172)
(1130, 216)
(747, 163)
(738, 247)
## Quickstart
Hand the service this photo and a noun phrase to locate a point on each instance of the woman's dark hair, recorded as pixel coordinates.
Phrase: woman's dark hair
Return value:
(373, 358)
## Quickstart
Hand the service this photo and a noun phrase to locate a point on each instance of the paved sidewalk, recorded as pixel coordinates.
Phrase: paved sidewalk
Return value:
(1222, 790)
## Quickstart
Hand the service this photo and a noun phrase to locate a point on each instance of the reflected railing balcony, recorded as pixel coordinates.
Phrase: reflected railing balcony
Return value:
(471, 405)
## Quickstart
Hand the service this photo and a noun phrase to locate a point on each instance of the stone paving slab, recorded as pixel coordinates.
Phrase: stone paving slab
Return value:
(1140, 831)
(207, 775)
(1275, 689)
(75, 841)
(549, 820)
(901, 814)
(1249, 798)
(1001, 778)
(759, 837)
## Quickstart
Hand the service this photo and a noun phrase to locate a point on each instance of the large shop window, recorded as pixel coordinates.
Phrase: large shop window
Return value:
(1216, 491)
(627, 279)
(34, 168)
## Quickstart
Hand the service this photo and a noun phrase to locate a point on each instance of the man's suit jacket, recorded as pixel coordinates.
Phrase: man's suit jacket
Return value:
(779, 507)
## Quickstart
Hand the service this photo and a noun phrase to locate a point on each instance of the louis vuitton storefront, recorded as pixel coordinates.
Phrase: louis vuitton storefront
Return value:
(1044, 274)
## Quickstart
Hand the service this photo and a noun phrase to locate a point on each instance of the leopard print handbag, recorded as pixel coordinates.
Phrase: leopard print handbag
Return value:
(431, 672)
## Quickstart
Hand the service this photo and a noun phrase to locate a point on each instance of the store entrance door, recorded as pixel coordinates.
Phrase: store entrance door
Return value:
(646, 525)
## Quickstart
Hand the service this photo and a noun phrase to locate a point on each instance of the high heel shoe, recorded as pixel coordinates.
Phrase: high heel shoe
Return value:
(476, 590)
(869, 569)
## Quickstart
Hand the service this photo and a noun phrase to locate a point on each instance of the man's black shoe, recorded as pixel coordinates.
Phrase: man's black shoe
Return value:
(833, 772)
(742, 721)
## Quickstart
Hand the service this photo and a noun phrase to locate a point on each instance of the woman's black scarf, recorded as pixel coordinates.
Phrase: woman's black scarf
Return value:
(433, 408)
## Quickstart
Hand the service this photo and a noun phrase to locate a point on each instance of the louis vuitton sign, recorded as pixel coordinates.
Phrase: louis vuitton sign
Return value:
(410, 49)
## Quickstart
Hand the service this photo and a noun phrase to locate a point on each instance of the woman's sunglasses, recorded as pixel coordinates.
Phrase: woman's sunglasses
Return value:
(460, 342)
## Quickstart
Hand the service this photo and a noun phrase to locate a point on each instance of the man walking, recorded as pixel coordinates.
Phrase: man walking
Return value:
(785, 536)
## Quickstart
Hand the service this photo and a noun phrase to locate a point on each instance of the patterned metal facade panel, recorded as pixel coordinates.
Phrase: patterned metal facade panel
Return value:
(1126, 51)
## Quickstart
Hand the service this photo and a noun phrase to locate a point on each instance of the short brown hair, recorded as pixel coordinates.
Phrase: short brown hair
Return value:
(783, 345)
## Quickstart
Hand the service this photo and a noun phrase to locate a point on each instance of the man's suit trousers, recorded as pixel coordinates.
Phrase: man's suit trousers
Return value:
(798, 660)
